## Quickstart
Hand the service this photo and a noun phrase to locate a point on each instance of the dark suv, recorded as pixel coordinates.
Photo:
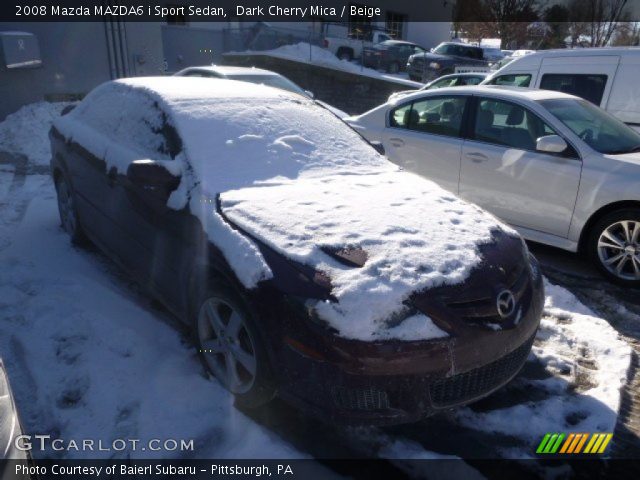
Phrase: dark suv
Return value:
(308, 266)
(443, 60)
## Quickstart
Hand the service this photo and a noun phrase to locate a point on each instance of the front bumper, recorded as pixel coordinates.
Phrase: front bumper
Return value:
(399, 382)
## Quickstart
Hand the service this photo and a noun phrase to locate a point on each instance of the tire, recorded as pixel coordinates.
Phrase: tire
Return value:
(614, 246)
(231, 346)
(393, 67)
(67, 210)
(345, 54)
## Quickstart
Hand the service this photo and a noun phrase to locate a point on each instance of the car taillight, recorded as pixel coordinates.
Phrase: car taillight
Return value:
(325, 43)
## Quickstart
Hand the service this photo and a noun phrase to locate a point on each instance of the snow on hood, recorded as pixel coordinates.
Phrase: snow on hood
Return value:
(415, 236)
(294, 176)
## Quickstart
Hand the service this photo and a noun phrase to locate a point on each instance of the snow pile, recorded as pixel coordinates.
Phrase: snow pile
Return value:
(27, 130)
(299, 179)
(104, 366)
(311, 54)
(586, 364)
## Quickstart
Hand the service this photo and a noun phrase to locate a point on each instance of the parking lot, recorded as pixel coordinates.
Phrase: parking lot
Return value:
(565, 382)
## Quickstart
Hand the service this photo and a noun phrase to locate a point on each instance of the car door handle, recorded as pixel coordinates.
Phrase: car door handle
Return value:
(477, 157)
(397, 142)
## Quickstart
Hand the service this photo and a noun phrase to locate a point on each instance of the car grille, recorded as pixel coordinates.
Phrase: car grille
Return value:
(474, 383)
(483, 311)
(359, 398)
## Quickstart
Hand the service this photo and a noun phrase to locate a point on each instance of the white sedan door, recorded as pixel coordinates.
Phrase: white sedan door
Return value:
(424, 137)
(502, 171)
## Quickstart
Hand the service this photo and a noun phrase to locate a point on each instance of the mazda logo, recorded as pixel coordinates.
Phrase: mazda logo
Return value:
(506, 303)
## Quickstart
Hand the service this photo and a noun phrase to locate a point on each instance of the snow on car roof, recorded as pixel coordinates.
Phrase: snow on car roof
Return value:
(298, 179)
(231, 70)
(493, 90)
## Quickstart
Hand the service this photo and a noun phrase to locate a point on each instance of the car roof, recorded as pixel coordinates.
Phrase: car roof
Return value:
(398, 42)
(232, 70)
(583, 52)
(174, 89)
(492, 90)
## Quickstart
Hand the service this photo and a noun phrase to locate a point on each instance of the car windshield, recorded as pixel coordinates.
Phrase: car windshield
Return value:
(275, 81)
(598, 129)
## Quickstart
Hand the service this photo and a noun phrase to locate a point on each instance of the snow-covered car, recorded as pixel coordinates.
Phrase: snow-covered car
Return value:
(558, 168)
(308, 265)
(10, 427)
(255, 75)
(452, 80)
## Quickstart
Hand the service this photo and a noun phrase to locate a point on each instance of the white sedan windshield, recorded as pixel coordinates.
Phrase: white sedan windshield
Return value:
(601, 131)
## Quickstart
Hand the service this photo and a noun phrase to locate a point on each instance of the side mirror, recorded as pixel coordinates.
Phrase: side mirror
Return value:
(67, 109)
(551, 144)
(378, 147)
(152, 177)
(310, 94)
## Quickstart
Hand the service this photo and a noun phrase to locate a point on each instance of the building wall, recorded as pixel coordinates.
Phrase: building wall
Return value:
(74, 60)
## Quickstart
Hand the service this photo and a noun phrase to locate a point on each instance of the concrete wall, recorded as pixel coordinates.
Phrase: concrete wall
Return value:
(347, 91)
(74, 60)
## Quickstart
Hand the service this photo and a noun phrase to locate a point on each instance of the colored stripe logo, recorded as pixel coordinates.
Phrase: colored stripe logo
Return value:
(574, 443)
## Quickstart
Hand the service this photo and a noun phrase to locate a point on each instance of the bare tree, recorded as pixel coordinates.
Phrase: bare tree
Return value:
(597, 20)
(507, 19)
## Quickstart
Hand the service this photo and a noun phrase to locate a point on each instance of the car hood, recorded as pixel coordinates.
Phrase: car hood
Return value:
(431, 57)
(378, 237)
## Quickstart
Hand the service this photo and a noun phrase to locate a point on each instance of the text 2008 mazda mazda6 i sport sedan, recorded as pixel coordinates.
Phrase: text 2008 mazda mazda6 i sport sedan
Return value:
(309, 266)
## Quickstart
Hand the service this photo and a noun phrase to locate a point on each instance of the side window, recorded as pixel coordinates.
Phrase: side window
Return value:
(469, 80)
(133, 120)
(509, 124)
(400, 117)
(512, 80)
(439, 116)
(589, 87)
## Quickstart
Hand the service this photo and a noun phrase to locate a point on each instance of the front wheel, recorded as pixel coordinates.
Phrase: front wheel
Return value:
(231, 346)
(393, 67)
(67, 210)
(614, 245)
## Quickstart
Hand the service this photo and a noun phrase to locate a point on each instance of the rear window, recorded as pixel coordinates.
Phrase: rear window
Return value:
(587, 86)
(512, 80)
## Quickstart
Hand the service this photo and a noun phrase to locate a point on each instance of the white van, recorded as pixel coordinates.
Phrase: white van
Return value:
(607, 77)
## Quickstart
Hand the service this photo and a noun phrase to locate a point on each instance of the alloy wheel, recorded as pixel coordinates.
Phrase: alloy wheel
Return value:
(66, 208)
(619, 249)
(227, 345)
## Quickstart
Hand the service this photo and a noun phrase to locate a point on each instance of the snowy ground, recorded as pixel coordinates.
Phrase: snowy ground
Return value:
(306, 53)
(89, 356)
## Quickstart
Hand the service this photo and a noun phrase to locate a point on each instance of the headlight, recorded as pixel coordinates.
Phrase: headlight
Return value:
(434, 65)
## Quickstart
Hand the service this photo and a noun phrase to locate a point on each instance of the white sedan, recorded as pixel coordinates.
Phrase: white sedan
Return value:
(560, 170)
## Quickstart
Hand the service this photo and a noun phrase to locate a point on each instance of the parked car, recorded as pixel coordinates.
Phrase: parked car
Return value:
(255, 75)
(604, 76)
(351, 46)
(390, 55)
(559, 169)
(307, 264)
(10, 426)
(492, 54)
(453, 80)
(443, 60)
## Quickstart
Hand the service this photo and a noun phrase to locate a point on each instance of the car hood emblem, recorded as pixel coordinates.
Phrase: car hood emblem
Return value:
(506, 303)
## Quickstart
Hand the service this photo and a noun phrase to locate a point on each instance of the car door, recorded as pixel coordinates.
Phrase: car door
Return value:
(160, 236)
(502, 171)
(424, 137)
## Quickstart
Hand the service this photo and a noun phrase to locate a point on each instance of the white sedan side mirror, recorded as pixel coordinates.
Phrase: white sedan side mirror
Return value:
(551, 144)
